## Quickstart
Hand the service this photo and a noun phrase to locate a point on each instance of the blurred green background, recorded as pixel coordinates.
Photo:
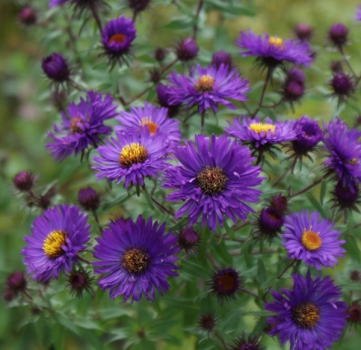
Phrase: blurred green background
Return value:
(27, 111)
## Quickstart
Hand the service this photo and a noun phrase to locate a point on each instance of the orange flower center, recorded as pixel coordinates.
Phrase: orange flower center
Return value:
(204, 83)
(53, 242)
(116, 38)
(147, 121)
(74, 125)
(311, 240)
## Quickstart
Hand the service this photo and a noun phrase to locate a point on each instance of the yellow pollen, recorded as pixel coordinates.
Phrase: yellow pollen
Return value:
(133, 153)
(135, 261)
(310, 240)
(276, 42)
(259, 127)
(204, 83)
(147, 121)
(74, 127)
(53, 242)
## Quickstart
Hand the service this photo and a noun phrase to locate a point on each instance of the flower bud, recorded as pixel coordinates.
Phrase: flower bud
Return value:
(27, 16)
(159, 54)
(89, 199)
(79, 281)
(270, 222)
(23, 181)
(303, 31)
(337, 34)
(187, 49)
(346, 196)
(188, 239)
(353, 313)
(293, 87)
(56, 68)
(163, 99)
(16, 281)
(207, 322)
(336, 66)
(355, 276)
(138, 5)
(279, 203)
(221, 57)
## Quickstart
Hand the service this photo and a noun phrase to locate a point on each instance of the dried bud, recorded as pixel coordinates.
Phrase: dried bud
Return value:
(78, 281)
(207, 322)
(221, 57)
(27, 16)
(159, 54)
(56, 68)
(23, 181)
(88, 198)
(303, 31)
(337, 34)
(187, 49)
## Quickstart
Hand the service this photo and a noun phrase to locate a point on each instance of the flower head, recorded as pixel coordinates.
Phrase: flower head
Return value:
(117, 37)
(24, 181)
(187, 49)
(354, 313)
(188, 239)
(272, 51)
(15, 283)
(79, 281)
(269, 223)
(342, 86)
(207, 322)
(57, 236)
(136, 258)
(279, 203)
(310, 316)
(27, 16)
(131, 157)
(293, 87)
(207, 87)
(82, 126)
(344, 152)
(215, 179)
(303, 31)
(56, 68)
(151, 117)
(315, 242)
(88, 198)
(345, 197)
(338, 34)
(222, 57)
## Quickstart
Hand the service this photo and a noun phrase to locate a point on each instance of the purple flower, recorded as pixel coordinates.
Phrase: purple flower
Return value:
(82, 126)
(272, 51)
(24, 181)
(303, 31)
(313, 241)
(56, 68)
(57, 236)
(131, 157)
(214, 180)
(136, 258)
(338, 34)
(262, 134)
(164, 100)
(117, 37)
(88, 198)
(344, 152)
(358, 13)
(187, 49)
(151, 117)
(222, 57)
(53, 3)
(269, 223)
(206, 87)
(342, 86)
(310, 316)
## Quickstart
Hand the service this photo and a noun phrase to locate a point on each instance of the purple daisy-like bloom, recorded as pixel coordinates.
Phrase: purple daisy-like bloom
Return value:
(57, 237)
(53, 3)
(117, 37)
(262, 134)
(310, 316)
(344, 152)
(82, 126)
(207, 87)
(358, 13)
(131, 157)
(272, 51)
(313, 241)
(215, 179)
(151, 117)
(136, 258)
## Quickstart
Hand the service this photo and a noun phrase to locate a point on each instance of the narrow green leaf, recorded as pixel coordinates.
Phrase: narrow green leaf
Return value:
(323, 190)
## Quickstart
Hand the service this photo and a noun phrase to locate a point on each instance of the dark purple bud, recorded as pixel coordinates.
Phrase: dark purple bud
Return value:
(279, 203)
(221, 57)
(154, 75)
(27, 16)
(295, 74)
(207, 322)
(346, 196)
(88, 198)
(138, 5)
(293, 91)
(341, 84)
(270, 222)
(188, 239)
(159, 54)
(187, 49)
(78, 282)
(336, 66)
(355, 276)
(247, 343)
(353, 313)
(163, 99)
(23, 181)
(16, 281)
(303, 31)
(337, 34)
(56, 68)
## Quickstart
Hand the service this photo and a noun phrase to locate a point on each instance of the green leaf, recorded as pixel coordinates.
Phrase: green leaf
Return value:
(261, 271)
(180, 23)
(323, 190)
(316, 204)
(147, 197)
(352, 248)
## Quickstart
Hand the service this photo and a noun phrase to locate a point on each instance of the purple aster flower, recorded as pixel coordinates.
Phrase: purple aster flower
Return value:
(151, 117)
(187, 49)
(131, 157)
(310, 316)
(272, 51)
(82, 126)
(214, 180)
(136, 258)
(344, 152)
(358, 13)
(342, 87)
(313, 241)
(57, 236)
(53, 3)
(56, 68)
(269, 223)
(117, 37)
(206, 87)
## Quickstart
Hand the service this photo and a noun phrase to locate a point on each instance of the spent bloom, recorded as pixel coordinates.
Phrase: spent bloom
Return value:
(135, 258)
(131, 157)
(272, 51)
(151, 117)
(207, 87)
(310, 316)
(57, 237)
(312, 240)
(82, 126)
(344, 152)
(215, 179)
(117, 37)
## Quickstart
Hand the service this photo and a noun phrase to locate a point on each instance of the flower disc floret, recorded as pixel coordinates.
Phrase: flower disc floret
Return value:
(214, 179)
(57, 236)
(315, 242)
(135, 258)
(310, 316)
(207, 87)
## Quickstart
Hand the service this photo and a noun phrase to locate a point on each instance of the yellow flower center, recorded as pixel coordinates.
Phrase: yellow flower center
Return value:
(133, 153)
(311, 240)
(53, 242)
(147, 121)
(259, 127)
(116, 38)
(135, 261)
(305, 315)
(211, 180)
(276, 42)
(204, 83)
(74, 125)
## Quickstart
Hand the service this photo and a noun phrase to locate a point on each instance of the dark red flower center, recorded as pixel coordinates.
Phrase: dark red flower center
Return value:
(135, 260)
(305, 315)
(226, 283)
(116, 39)
(211, 180)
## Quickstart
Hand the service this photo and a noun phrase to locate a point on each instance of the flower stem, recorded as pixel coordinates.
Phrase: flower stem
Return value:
(195, 25)
(268, 77)
(310, 186)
